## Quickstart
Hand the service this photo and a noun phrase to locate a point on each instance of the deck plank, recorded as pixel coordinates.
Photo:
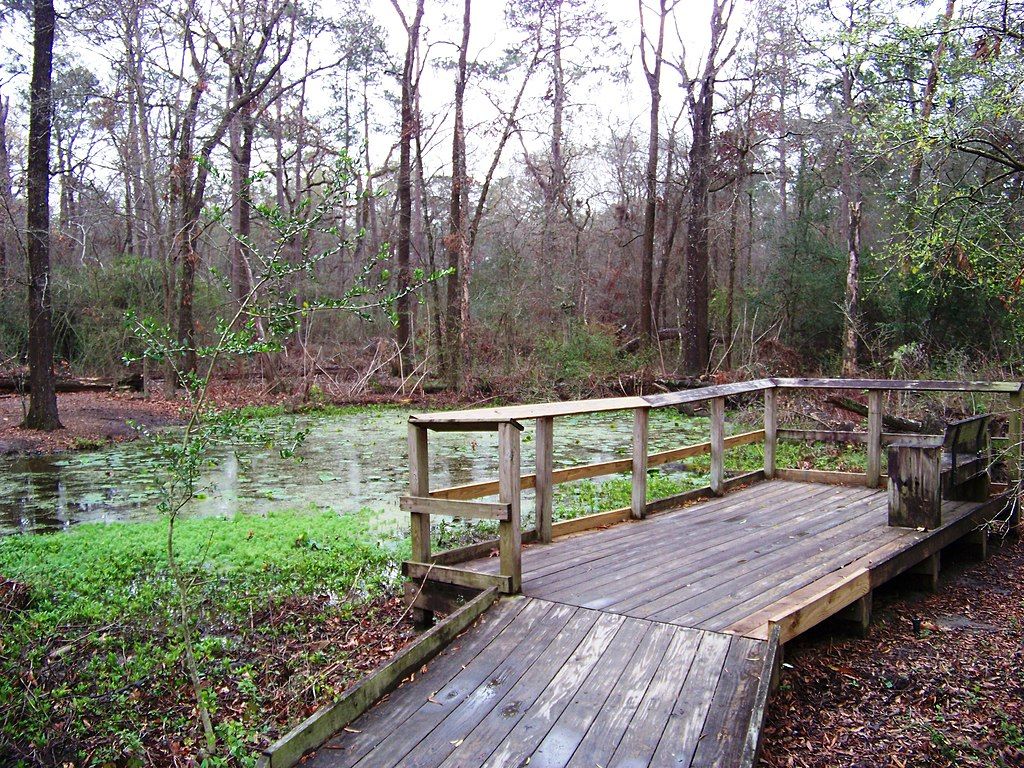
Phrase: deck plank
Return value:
(499, 665)
(679, 740)
(660, 546)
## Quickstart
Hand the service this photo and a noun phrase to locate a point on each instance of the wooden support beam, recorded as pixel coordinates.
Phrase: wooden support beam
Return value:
(463, 577)
(874, 440)
(544, 441)
(510, 533)
(975, 543)
(464, 510)
(598, 469)
(826, 476)
(770, 432)
(419, 485)
(901, 385)
(437, 596)
(837, 436)
(925, 575)
(639, 463)
(857, 615)
(718, 446)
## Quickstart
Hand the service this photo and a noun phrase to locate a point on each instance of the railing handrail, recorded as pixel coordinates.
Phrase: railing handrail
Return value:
(432, 420)
(423, 501)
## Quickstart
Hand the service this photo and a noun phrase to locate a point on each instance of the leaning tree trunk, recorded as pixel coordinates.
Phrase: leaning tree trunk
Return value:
(42, 412)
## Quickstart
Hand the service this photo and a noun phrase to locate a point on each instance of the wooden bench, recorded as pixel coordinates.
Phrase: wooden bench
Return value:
(925, 470)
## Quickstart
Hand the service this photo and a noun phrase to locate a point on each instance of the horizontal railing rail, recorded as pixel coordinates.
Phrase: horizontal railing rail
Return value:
(457, 501)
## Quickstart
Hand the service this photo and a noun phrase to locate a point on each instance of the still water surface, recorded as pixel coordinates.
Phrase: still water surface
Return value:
(347, 463)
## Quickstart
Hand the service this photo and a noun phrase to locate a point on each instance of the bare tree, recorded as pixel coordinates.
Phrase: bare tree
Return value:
(457, 324)
(652, 70)
(701, 98)
(42, 412)
(409, 128)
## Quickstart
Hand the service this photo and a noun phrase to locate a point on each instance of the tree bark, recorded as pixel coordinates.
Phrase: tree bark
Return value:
(409, 128)
(696, 345)
(8, 241)
(653, 74)
(42, 412)
(457, 326)
(851, 208)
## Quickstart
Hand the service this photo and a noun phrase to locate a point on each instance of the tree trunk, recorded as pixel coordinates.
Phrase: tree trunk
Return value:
(42, 412)
(851, 208)
(927, 104)
(8, 242)
(653, 74)
(409, 128)
(696, 349)
(457, 356)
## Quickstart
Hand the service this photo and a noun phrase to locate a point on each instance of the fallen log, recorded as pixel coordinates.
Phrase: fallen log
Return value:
(894, 423)
(20, 384)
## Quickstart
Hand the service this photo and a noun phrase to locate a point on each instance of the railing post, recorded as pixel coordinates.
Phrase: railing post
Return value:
(545, 444)
(510, 534)
(1013, 464)
(419, 485)
(770, 433)
(1015, 459)
(874, 473)
(640, 422)
(718, 446)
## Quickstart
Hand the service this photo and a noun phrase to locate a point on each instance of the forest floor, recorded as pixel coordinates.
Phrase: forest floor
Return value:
(951, 694)
(90, 419)
(94, 419)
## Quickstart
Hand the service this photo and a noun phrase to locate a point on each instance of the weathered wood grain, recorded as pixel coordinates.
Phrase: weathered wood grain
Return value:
(544, 441)
(638, 464)
(464, 510)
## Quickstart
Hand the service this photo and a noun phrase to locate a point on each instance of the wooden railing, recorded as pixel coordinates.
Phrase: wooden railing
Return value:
(458, 501)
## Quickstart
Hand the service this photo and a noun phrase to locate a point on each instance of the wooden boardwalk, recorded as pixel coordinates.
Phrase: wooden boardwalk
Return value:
(644, 643)
(729, 563)
(540, 683)
(649, 635)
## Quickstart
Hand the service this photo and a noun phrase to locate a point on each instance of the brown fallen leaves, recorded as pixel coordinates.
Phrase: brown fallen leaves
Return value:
(951, 695)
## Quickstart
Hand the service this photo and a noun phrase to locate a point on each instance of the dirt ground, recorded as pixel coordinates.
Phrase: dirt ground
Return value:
(89, 419)
(950, 694)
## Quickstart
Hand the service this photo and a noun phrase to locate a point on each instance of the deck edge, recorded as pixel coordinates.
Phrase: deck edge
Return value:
(755, 727)
(328, 720)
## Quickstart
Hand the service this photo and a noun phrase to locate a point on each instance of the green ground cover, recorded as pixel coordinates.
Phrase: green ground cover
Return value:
(90, 671)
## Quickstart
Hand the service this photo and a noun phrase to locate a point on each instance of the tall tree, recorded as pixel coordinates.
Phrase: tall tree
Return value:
(701, 97)
(652, 64)
(850, 188)
(409, 127)
(42, 412)
(457, 323)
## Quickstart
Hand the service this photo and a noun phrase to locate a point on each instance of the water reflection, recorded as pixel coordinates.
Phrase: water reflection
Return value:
(348, 462)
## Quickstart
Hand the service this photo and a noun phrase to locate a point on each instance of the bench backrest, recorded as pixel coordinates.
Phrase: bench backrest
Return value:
(967, 435)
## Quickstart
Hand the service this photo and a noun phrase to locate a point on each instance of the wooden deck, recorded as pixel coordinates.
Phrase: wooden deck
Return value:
(548, 684)
(645, 643)
(649, 635)
(729, 563)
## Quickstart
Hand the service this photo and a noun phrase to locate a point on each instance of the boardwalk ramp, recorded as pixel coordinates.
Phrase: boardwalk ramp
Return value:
(540, 683)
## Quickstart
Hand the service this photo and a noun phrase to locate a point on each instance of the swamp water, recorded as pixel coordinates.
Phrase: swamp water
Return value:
(348, 462)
